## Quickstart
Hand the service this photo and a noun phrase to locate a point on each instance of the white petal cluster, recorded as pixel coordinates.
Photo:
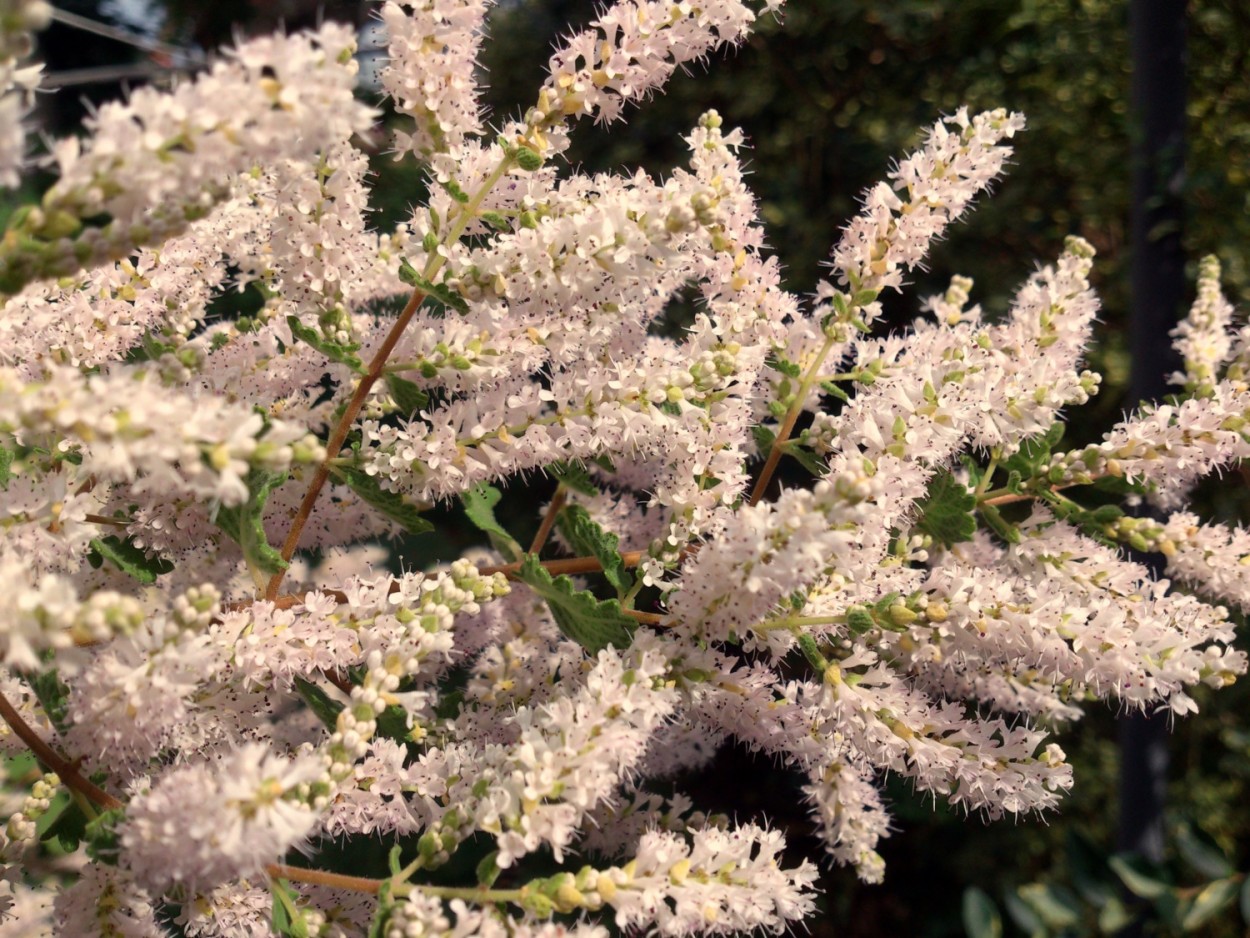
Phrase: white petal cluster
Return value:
(206, 824)
(163, 159)
(433, 47)
(18, 19)
(129, 430)
(1202, 339)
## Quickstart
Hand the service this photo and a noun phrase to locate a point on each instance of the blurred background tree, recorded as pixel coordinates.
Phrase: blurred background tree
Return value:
(828, 99)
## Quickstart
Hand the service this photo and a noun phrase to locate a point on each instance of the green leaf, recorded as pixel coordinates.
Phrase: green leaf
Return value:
(764, 437)
(1034, 453)
(382, 917)
(1023, 915)
(1213, 899)
(575, 477)
(1057, 906)
(1138, 876)
(103, 841)
(52, 695)
(785, 366)
(244, 523)
(1088, 867)
(1114, 916)
(592, 623)
(588, 538)
(319, 702)
(57, 806)
(407, 396)
(981, 918)
(436, 291)
(1202, 853)
(946, 512)
(129, 559)
(807, 459)
(393, 724)
(479, 505)
(6, 466)
(488, 869)
(335, 351)
(287, 918)
(392, 504)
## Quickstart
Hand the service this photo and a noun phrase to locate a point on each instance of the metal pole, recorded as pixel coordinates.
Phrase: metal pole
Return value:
(1157, 35)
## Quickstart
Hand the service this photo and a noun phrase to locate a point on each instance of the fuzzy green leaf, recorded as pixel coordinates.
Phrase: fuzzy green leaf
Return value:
(946, 512)
(436, 291)
(6, 466)
(592, 623)
(588, 538)
(129, 559)
(407, 396)
(284, 923)
(574, 476)
(764, 437)
(335, 351)
(479, 505)
(319, 702)
(244, 523)
(391, 504)
(1033, 456)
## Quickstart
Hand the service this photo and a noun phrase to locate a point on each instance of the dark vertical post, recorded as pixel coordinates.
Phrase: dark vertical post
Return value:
(1157, 31)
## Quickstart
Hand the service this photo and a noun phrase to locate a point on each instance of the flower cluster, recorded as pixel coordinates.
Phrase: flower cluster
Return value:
(199, 639)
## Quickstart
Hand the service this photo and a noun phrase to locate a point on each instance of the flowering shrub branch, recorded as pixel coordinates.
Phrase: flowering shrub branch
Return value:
(951, 585)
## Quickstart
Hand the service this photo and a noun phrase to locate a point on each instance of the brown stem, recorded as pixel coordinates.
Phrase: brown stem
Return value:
(549, 519)
(101, 519)
(335, 444)
(64, 769)
(774, 455)
(323, 878)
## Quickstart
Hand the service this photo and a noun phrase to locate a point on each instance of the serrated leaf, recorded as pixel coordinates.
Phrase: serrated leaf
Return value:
(68, 828)
(407, 396)
(244, 524)
(785, 366)
(479, 505)
(981, 918)
(52, 695)
(1202, 853)
(592, 623)
(807, 459)
(589, 538)
(947, 511)
(1034, 453)
(1138, 876)
(764, 437)
(103, 840)
(319, 702)
(335, 351)
(436, 291)
(1212, 900)
(57, 806)
(391, 504)
(575, 477)
(130, 559)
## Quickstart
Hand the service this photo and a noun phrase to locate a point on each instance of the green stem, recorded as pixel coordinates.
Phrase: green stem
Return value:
(791, 418)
